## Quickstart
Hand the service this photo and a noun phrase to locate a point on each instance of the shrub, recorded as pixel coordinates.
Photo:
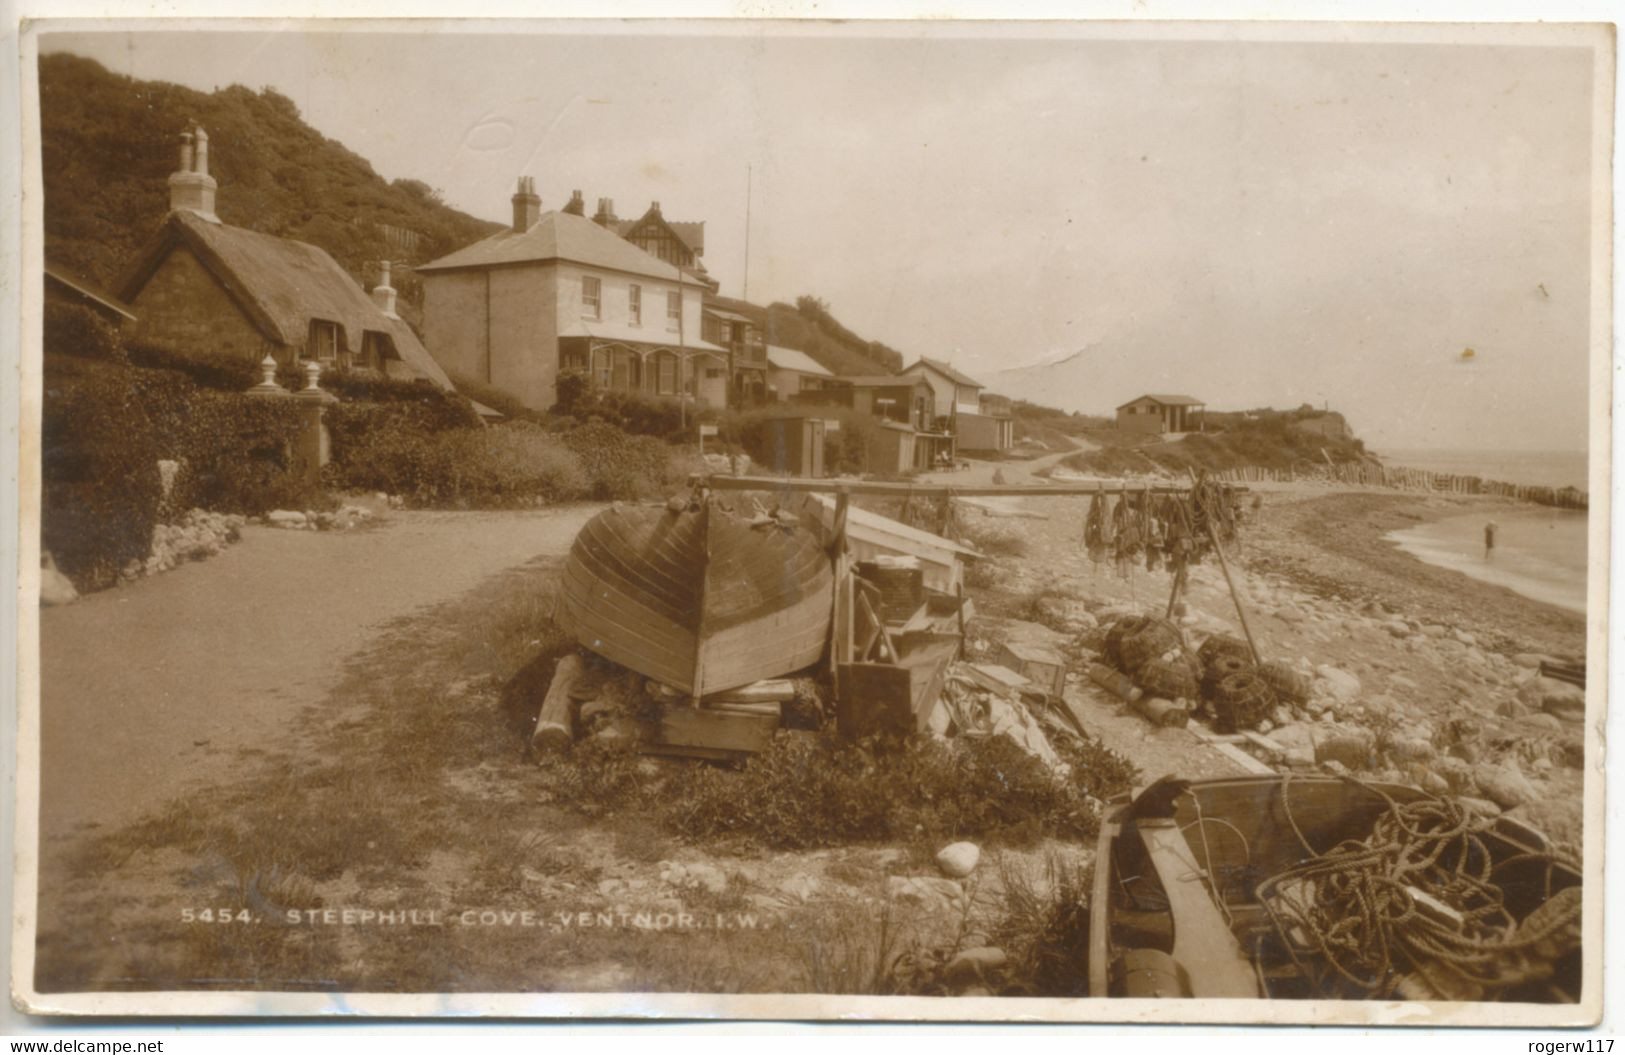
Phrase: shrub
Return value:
(497, 399)
(73, 329)
(501, 466)
(224, 372)
(99, 468)
(811, 791)
(576, 396)
(620, 466)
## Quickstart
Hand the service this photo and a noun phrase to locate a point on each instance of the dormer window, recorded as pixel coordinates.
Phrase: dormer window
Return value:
(324, 341)
(592, 297)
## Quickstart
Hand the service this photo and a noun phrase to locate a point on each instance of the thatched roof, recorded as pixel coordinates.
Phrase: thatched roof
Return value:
(281, 285)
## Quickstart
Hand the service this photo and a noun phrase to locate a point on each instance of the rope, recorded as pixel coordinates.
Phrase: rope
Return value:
(1352, 908)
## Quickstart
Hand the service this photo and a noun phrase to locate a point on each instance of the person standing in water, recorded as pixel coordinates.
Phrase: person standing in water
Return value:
(1489, 539)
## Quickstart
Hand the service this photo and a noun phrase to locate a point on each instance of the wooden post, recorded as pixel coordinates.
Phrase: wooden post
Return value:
(554, 727)
(1241, 609)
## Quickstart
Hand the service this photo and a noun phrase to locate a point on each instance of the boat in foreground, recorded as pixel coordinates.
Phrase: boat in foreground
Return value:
(1327, 888)
(698, 597)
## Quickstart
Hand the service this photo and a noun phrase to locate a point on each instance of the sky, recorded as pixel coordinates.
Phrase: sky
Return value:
(1252, 222)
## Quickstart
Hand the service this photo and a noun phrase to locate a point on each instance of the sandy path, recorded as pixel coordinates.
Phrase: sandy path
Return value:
(153, 689)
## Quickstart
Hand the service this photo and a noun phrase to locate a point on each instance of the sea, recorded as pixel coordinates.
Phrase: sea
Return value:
(1539, 552)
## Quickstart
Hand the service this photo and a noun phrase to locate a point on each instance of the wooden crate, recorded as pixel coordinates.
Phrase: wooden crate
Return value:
(1045, 669)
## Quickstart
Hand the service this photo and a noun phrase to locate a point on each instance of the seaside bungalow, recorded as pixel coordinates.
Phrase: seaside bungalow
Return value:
(64, 287)
(1160, 414)
(554, 292)
(202, 285)
(791, 371)
(974, 423)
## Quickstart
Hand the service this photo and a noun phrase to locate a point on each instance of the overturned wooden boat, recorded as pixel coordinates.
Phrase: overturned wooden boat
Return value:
(700, 598)
(1291, 887)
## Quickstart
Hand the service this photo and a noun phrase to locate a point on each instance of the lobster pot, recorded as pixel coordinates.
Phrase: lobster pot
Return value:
(1223, 645)
(1241, 702)
(1112, 650)
(1219, 668)
(1154, 639)
(1171, 679)
(1286, 683)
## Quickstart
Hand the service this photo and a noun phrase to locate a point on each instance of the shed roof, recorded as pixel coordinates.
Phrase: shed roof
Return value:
(1167, 401)
(281, 285)
(946, 370)
(83, 288)
(557, 236)
(791, 359)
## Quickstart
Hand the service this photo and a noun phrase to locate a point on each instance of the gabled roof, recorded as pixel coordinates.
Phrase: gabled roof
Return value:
(790, 359)
(1167, 401)
(946, 370)
(690, 232)
(281, 285)
(557, 236)
(84, 289)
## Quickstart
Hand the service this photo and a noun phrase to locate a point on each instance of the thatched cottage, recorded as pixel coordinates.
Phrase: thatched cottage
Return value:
(206, 286)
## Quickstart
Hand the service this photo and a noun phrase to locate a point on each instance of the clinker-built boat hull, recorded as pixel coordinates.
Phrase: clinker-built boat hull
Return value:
(701, 600)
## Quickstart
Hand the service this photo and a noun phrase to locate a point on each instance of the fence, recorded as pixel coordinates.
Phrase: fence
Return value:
(1404, 479)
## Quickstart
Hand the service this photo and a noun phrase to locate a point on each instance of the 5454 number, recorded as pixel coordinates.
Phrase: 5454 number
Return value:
(216, 915)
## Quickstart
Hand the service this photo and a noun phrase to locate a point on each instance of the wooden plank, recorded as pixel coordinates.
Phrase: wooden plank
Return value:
(694, 727)
(1208, 736)
(770, 690)
(995, 678)
(1263, 741)
(1215, 962)
(1244, 760)
(1074, 710)
(1069, 488)
(772, 710)
(692, 751)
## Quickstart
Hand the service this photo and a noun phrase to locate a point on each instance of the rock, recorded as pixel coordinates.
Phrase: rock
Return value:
(1300, 757)
(927, 890)
(1456, 773)
(1434, 783)
(958, 860)
(54, 587)
(1541, 723)
(974, 965)
(1348, 745)
(1505, 785)
(1559, 698)
(801, 887)
(1511, 707)
(1408, 745)
(285, 518)
(1335, 768)
(1397, 628)
(1528, 660)
(1432, 630)
(1478, 807)
(1463, 637)
(1342, 685)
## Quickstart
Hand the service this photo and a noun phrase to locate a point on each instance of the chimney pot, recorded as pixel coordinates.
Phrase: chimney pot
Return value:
(190, 186)
(577, 206)
(382, 294)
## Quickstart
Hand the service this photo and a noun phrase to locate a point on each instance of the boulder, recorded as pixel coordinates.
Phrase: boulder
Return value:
(958, 860)
(1559, 698)
(285, 518)
(801, 887)
(1408, 744)
(1463, 637)
(1346, 744)
(1540, 723)
(1397, 628)
(1505, 785)
(974, 965)
(1342, 685)
(54, 587)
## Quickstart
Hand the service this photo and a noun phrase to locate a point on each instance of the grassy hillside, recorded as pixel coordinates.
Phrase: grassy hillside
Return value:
(808, 326)
(1264, 438)
(109, 144)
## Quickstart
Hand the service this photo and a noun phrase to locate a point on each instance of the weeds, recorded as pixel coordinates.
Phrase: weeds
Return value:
(1044, 927)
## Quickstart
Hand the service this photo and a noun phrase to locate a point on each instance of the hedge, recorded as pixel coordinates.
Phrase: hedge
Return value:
(99, 470)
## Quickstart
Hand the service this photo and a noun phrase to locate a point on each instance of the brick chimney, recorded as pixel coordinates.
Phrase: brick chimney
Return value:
(190, 186)
(606, 213)
(527, 206)
(577, 206)
(383, 294)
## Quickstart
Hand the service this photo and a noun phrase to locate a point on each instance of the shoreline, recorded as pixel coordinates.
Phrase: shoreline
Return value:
(1335, 543)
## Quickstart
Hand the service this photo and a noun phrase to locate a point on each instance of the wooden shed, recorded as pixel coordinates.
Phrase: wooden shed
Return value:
(794, 444)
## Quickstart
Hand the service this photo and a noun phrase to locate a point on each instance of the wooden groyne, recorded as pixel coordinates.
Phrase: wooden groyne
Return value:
(1401, 478)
